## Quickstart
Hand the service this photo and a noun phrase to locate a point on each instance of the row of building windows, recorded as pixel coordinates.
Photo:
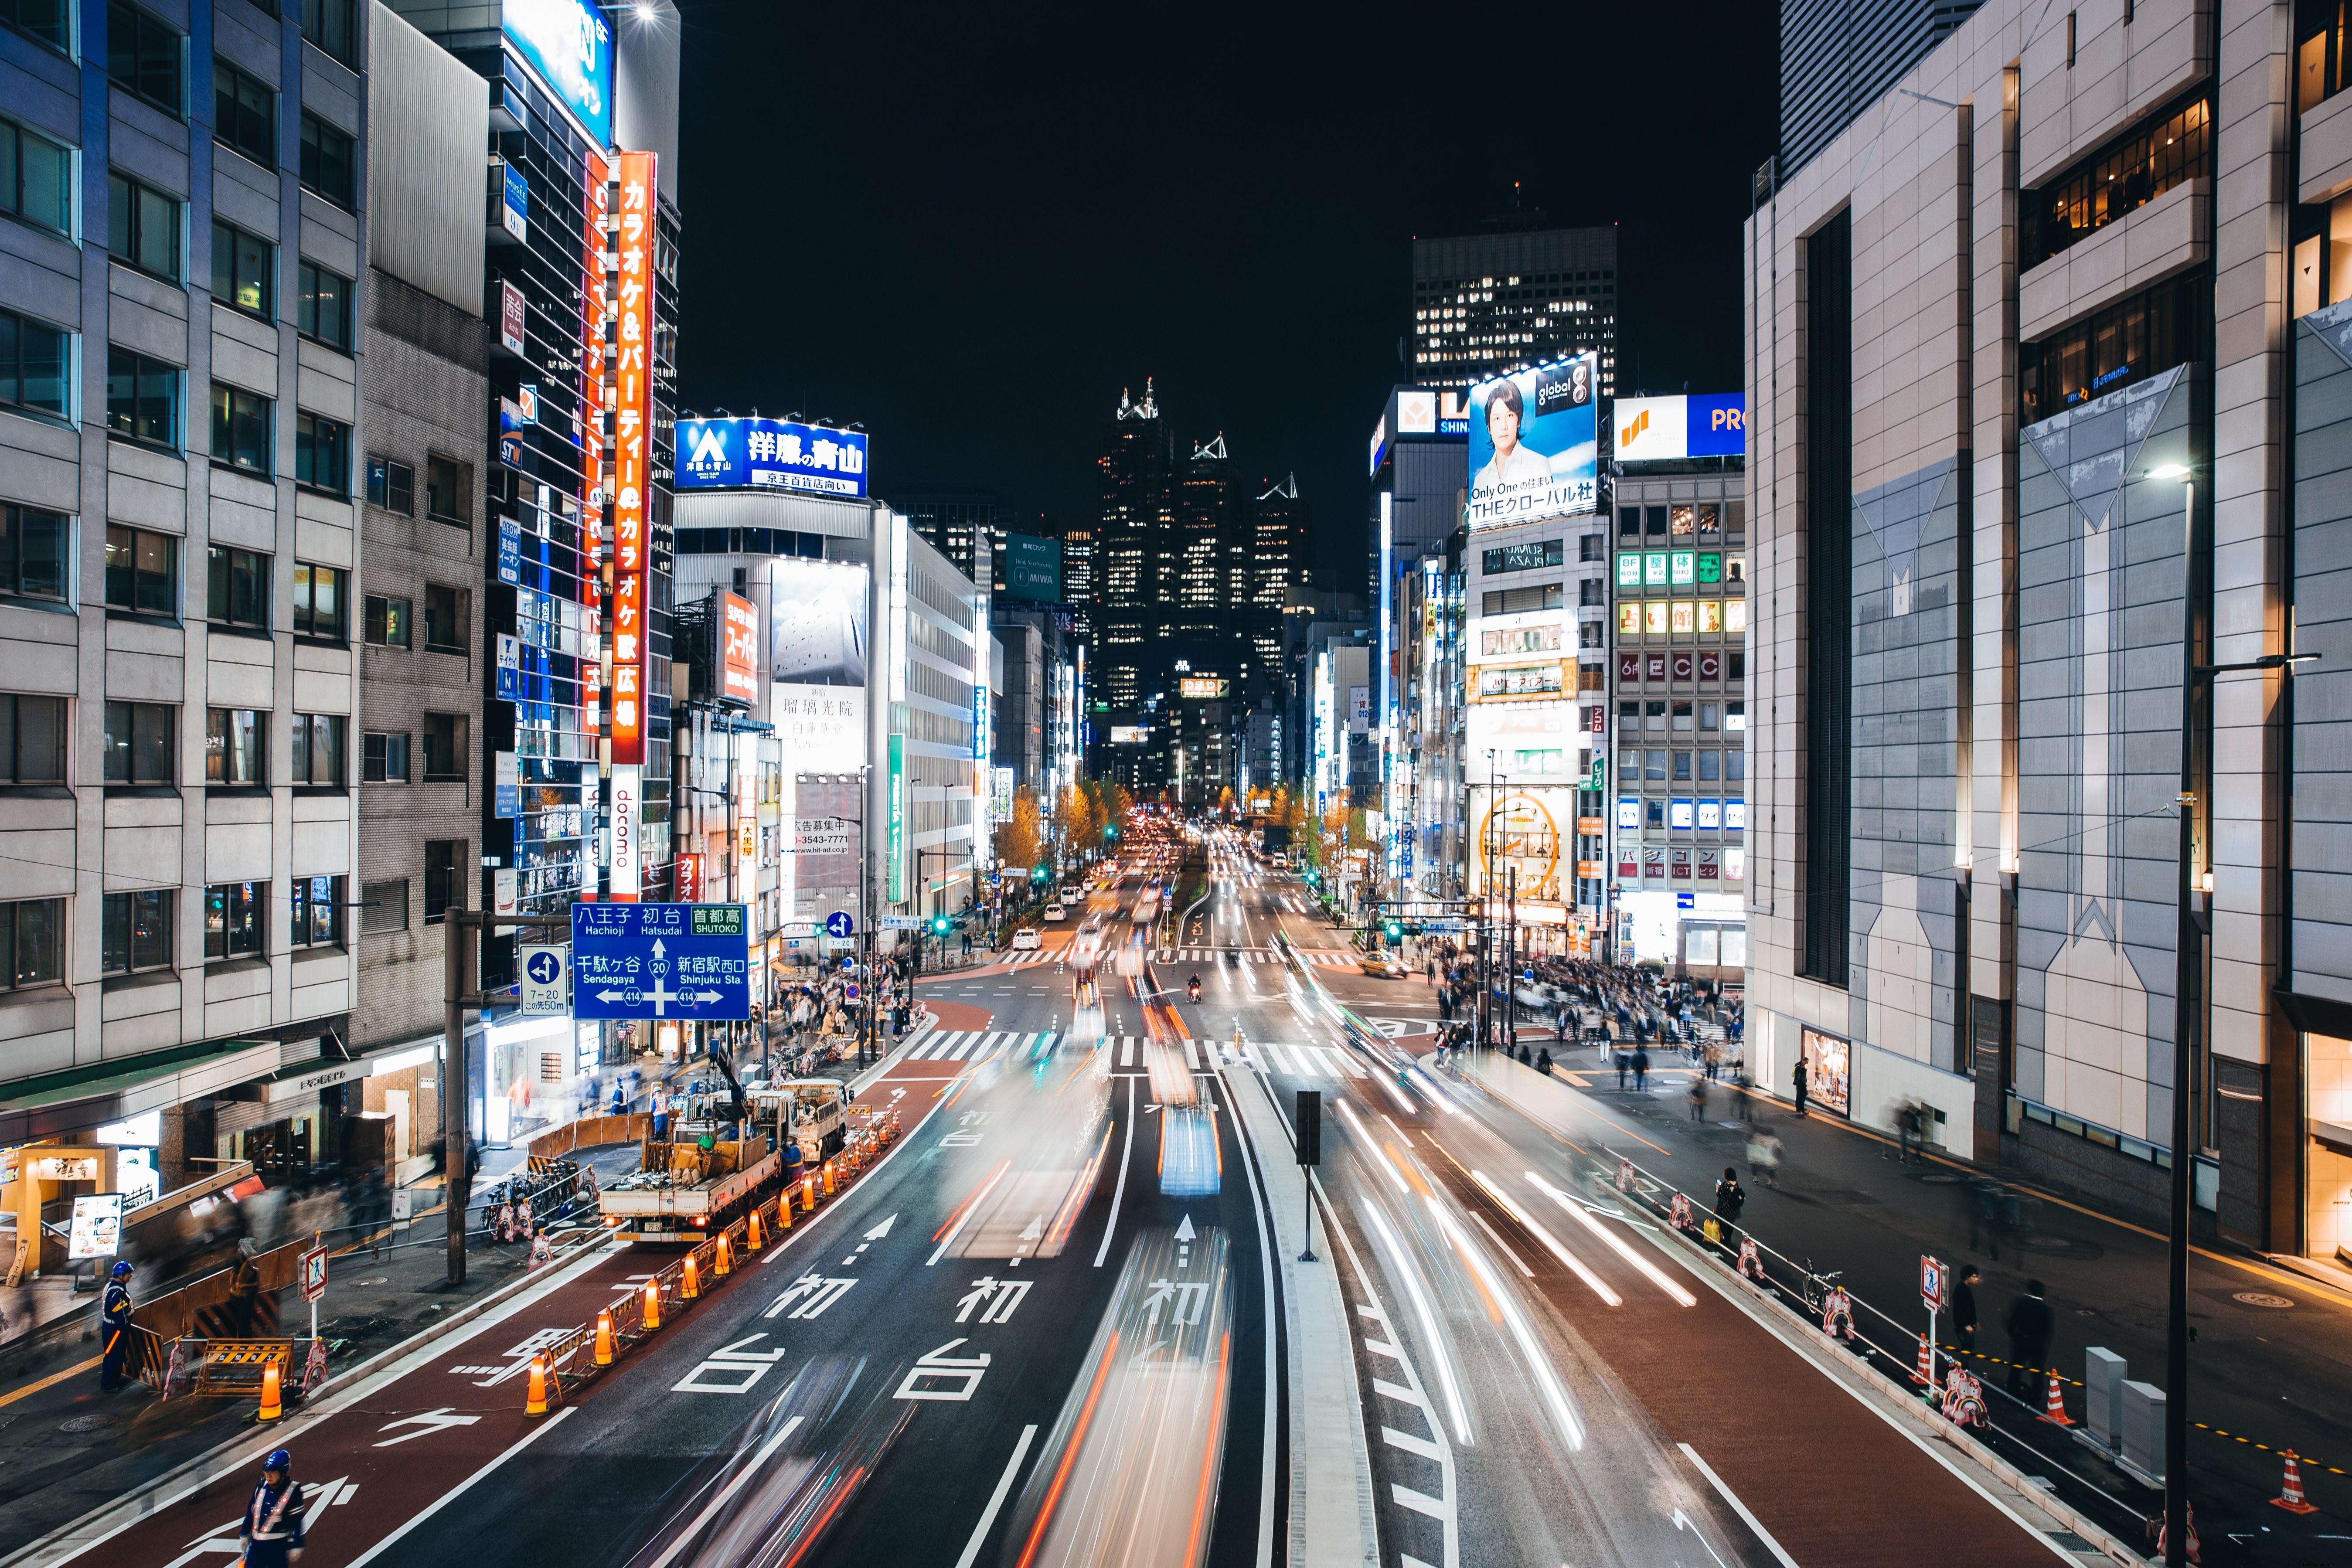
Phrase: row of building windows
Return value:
(142, 576)
(1635, 813)
(389, 622)
(139, 749)
(1682, 617)
(1669, 766)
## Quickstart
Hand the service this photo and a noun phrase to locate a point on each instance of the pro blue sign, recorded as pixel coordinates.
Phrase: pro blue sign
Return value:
(570, 45)
(661, 961)
(770, 454)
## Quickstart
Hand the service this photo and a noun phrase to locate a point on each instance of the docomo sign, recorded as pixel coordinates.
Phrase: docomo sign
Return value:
(626, 864)
(630, 395)
(739, 654)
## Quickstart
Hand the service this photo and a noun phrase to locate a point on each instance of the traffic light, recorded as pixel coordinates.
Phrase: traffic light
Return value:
(940, 925)
(1396, 932)
(1041, 872)
(1110, 830)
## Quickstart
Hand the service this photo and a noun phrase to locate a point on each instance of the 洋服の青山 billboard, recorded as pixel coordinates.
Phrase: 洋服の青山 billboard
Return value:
(1532, 444)
(817, 663)
(570, 45)
(1032, 569)
(1667, 430)
(770, 454)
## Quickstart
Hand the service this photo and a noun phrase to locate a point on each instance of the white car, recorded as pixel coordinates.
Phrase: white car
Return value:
(1056, 912)
(1027, 938)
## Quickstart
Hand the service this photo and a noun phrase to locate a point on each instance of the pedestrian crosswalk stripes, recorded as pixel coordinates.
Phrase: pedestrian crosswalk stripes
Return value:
(1251, 955)
(1127, 1052)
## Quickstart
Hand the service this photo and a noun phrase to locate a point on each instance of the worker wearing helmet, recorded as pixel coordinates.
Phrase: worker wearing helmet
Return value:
(114, 1328)
(272, 1529)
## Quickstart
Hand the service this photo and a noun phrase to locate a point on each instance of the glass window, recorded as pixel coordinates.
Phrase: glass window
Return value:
(35, 177)
(446, 619)
(32, 942)
(1710, 715)
(387, 621)
(384, 907)
(1653, 617)
(1735, 617)
(138, 743)
(385, 760)
(143, 398)
(1735, 765)
(449, 489)
(1681, 715)
(318, 913)
(392, 486)
(143, 225)
(32, 740)
(1710, 615)
(33, 553)
(326, 161)
(1684, 616)
(236, 586)
(331, 24)
(1685, 520)
(142, 571)
(1710, 521)
(2172, 150)
(443, 890)
(1682, 767)
(33, 365)
(1654, 766)
(324, 311)
(46, 20)
(1654, 521)
(1590, 547)
(1734, 715)
(319, 602)
(240, 428)
(318, 759)
(233, 920)
(1657, 713)
(445, 748)
(137, 932)
(143, 55)
(242, 114)
(1653, 814)
(322, 452)
(243, 266)
(233, 742)
(1710, 766)
(1629, 522)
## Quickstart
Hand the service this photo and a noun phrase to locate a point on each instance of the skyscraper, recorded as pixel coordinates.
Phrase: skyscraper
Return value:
(1137, 468)
(1486, 303)
(1276, 565)
(1195, 586)
(968, 528)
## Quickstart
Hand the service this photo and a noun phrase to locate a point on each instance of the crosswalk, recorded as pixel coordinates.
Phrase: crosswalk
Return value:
(975, 1045)
(1249, 956)
(1291, 1060)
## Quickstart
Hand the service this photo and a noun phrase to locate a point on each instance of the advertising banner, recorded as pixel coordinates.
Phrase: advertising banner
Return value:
(1032, 569)
(816, 624)
(1525, 737)
(1533, 450)
(1204, 688)
(1000, 795)
(823, 727)
(895, 802)
(1666, 429)
(770, 454)
(570, 46)
(739, 649)
(630, 396)
(628, 811)
(826, 847)
(96, 1229)
(513, 317)
(1525, 829)
(1827, 1064)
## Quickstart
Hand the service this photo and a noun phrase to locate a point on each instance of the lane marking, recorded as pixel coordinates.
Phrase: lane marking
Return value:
(995, 1499)
(729, 1490)
(970, 1208)
(462, 1487)
(1737, 1507)
(1480, 1220)
(1119, 1191)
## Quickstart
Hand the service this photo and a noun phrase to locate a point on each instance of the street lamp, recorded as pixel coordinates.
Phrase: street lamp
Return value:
(2192, 901)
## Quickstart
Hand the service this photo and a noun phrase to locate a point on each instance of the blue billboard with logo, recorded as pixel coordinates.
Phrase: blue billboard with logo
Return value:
(570, 45)
(1532, 444)
(770, 454)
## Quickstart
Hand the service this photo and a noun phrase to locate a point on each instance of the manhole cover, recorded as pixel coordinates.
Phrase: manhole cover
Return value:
(2261, 1299)
(86, 1424)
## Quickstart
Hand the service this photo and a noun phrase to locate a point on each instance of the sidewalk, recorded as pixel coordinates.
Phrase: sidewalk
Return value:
(2271, 1367)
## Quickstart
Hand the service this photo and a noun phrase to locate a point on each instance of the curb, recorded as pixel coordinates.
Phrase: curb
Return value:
(141, 1502)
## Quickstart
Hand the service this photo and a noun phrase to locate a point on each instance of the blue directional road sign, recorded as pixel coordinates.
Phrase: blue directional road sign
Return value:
(661, 961)
(839, 923)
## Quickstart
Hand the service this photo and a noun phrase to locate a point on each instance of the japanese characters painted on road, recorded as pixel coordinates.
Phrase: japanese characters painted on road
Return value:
(1931, 1283)
(543, 973)
(661, 961)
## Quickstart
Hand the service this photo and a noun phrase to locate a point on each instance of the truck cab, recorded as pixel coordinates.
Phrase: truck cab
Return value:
(811, 1112)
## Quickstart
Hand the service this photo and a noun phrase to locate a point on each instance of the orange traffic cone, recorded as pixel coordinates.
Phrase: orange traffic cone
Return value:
(2290, 1496)
(273, 1398)
(1926, 1370)
(723, 1262)
(784, 1210)
(808, 1195)
(653, 1305)
(605, 1337)
(690, 1288)
(751, 1237)
(2055, 1412)
(536, 1404)
(828, 1178)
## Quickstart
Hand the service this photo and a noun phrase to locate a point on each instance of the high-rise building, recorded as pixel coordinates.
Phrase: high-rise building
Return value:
(1839, 57)
(1195, 585)
(180, 424)
(968, 528)
(1276, 565)
(1136, 467)
(1486, 303)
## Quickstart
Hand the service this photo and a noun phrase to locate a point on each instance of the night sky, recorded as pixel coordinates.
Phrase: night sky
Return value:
(969, 229)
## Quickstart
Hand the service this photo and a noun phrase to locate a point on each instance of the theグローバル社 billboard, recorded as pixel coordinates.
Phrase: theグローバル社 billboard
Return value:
(1533, 444)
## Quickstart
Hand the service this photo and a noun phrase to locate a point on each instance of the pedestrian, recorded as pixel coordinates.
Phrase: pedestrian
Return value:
(271, 1530)
(1697, 1097)
(1543, 1062)
(1764, 1156)
(1641, 1069)
(1909, 1143)
(244, 1289)
(2030, 1325)
(1741, 1084)
(620, 1101)
(1964, 1310)
(1798, 1077)
(1729, 1199)
(1623, 1063)
(114, 1328)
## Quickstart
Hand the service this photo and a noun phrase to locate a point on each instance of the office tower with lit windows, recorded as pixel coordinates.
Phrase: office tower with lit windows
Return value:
(1137, 469)
(968, 528)
(1486, 303)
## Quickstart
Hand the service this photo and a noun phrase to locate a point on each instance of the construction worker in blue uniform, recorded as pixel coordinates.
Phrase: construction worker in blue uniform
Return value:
(114, 1328)
(272, 1529)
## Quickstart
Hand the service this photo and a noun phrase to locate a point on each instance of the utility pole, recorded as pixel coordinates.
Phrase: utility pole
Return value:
(461, 949)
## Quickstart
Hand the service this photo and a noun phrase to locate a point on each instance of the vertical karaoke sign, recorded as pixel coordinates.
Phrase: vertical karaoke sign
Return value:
(595, 174)
(629, 395)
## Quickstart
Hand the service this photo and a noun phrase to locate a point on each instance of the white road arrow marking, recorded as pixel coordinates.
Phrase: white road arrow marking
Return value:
(879, 1231)
(1184, 1231)
(427, 1425)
